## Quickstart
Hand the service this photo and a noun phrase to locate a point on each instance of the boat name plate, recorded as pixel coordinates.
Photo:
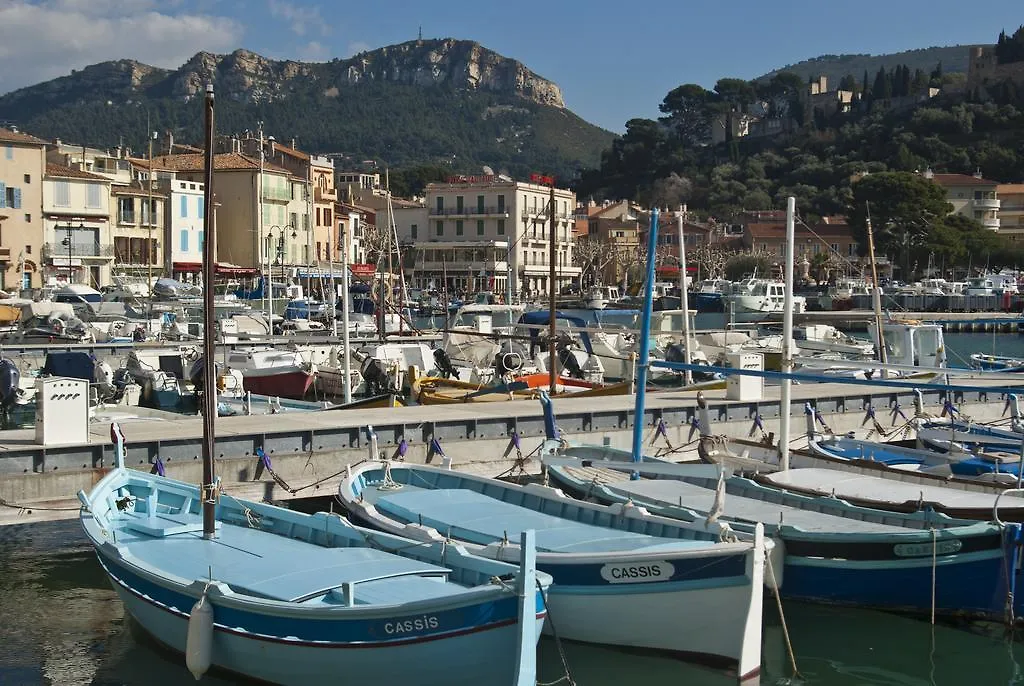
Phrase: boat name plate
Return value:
(922, 549)
(637, 572)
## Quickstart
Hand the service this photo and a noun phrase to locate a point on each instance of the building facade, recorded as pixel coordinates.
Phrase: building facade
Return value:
(139, 228)
(22, 165)
(76, 227)
(1011, 210)
(495, 231)
(971, 196)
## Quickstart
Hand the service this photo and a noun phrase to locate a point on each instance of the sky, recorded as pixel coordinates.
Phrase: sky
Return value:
(614, 60)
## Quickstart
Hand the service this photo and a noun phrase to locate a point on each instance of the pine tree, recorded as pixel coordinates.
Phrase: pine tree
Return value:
(905, 81)
(878, 87)
(865, 84)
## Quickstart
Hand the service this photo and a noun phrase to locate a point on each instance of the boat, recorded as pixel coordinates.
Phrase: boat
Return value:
(278, 596)
(273, 371)
(599, 297)
(760, 298)
(708, 295)
(621, 576)
(835, 552)
(840, 296)
(997, 363)
(290, 598)
(442, 391)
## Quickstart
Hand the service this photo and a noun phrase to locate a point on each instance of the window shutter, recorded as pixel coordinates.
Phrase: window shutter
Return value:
(3, 195)
(17, 199)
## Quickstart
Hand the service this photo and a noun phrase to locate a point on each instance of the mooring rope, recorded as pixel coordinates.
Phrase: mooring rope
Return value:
(782, 616)
(567, 676)
(935, 557)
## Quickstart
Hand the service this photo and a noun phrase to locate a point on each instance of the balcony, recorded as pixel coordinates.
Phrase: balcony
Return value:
(470, 212)
(5, 254)
(325, 195)
(280, 194)
(990, 224)
(986, 203)
(77, 249)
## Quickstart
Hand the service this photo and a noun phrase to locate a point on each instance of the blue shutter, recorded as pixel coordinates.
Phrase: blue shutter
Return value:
(184, 240)
(17, 199)
(201, 208)
(202, 241)
(3, 195)
(184, 206)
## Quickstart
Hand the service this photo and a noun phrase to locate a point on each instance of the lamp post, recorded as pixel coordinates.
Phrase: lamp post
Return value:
(70, 244)
(278, 249)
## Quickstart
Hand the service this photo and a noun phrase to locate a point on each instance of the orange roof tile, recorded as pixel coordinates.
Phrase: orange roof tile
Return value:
(291, 152)
(9, 136)
(229, 161)
(61, 171)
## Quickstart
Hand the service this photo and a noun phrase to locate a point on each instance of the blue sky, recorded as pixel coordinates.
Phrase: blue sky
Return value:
(613, 60)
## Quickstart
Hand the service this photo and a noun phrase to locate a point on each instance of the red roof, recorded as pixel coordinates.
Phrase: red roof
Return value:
(9, 136)
(70, 173)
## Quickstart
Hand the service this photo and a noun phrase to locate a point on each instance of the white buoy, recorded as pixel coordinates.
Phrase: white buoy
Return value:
(199, 643)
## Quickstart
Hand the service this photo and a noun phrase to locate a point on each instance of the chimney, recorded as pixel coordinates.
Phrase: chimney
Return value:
(293, 143)
(977, 173)
(170, 142)
(929, 174)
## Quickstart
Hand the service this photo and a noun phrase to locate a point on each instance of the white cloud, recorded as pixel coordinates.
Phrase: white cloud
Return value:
(49, 38)
(302, 20)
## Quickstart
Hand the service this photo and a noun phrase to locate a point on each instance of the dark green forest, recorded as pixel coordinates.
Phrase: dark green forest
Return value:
(892, 126)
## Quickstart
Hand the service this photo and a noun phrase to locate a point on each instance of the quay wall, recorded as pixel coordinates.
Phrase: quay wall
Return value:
(308, 448)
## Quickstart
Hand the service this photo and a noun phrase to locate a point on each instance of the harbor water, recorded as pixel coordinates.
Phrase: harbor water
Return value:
(64, 626)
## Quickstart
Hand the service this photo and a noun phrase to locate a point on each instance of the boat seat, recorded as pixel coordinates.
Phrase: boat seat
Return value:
(162, 524)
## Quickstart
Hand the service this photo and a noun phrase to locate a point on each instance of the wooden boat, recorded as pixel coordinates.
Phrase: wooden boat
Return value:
(439, 391)
(835, 552)
(283, 597)
(298, 599)
(1000, 363)
(622, 576)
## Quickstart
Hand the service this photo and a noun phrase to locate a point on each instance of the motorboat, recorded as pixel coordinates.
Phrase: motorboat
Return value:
(273, 371)
(755, 297)
(599, 297)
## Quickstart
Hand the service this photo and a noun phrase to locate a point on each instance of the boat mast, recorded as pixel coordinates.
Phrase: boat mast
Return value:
(684, 299)
(876, 294)
(347, 363)
(645, 343)
(209, 493)
(787, 337)
(334, 286)
(552, 293)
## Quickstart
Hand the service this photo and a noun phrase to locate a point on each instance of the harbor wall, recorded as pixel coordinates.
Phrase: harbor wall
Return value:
(310, 453)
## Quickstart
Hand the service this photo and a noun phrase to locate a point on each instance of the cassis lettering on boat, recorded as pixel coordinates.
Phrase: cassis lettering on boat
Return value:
(637, 572)
(405, 626)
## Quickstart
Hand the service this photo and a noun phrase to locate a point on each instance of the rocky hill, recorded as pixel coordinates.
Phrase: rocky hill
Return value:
(427, 101)
(954, 60)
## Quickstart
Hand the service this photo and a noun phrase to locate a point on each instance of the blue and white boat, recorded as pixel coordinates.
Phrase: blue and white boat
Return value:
(289, 598)
(621, 576)
(300, 599)
(835, 552)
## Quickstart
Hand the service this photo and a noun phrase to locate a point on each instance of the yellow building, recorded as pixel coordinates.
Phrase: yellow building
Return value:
(22, 164)
(1011, 210)
(971, 195)
(76, 227)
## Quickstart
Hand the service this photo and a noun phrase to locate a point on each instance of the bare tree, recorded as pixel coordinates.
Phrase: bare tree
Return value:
(710, 260)
(592, 255)
(376, 240)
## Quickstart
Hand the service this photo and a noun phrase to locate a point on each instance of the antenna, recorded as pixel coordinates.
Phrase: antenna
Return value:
(421, 32)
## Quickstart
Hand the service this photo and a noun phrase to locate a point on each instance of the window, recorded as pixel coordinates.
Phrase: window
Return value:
(440, 206)
(479, 227)
(480, 204)
(835, 248)
(501, 204)
(3, 195)
(459, 209)
(126, 210)
(458, 227)
(121, 249)
(28, 178)
(61, 194)
(184, 240)
(293, 220)
(319, 250)
(14, 198)
(305, 222)
(184, 206)
(92, 196)
(440, 227)
(28, 249)
(266, 216)
(414, 229)
(327, 216)
(9, 152)
(202, 241)
(200, 207)
(28, 218)
(501, 226)
(318, 217)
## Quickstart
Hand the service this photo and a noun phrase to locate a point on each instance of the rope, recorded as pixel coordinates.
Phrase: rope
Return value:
(567, 675)
(935, 553)
(782, 616)
(27, 509)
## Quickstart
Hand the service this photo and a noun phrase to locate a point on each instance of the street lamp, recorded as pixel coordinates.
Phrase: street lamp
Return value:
(280, 253)
(70, 245)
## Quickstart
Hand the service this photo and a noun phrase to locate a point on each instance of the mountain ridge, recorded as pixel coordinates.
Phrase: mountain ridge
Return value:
(954, 58)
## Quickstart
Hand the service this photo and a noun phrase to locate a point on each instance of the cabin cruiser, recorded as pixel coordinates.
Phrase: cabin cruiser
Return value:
(709, 293)
(761, 297)
(273, 371)
(599, 297)
(841, 294)
(472, 341)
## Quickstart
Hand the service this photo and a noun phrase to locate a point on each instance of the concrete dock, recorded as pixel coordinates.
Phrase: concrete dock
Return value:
(309, 451)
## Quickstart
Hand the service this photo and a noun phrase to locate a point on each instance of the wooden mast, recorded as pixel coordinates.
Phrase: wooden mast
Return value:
(209, 492)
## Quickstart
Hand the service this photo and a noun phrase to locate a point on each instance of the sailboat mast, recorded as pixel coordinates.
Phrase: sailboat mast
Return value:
(876, 297)
(684, 301)
(552, 293)
(209, 495)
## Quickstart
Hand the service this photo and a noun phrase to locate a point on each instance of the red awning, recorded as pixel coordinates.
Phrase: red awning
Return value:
(363, 269)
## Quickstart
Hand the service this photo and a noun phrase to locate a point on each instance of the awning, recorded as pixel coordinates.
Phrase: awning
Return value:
(363, 269)
(221, 269)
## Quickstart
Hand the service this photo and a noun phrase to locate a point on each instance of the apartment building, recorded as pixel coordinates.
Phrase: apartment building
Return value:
(183, 222)
(1011, 210)
(139, 229)
(971, 195)
(76, 220)
(22, 165)
(482, 231)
